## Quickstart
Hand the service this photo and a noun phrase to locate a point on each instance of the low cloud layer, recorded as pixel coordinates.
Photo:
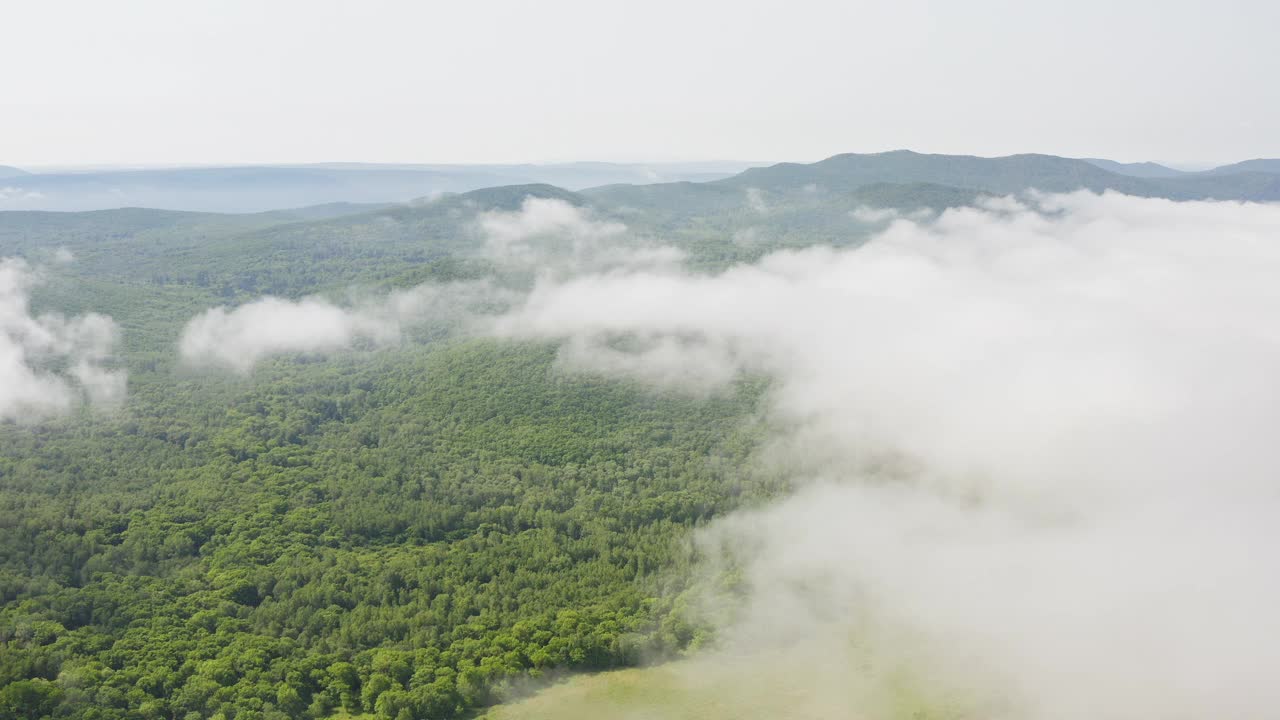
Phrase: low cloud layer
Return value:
(50, 363)
(1033, 441)
(547, 238)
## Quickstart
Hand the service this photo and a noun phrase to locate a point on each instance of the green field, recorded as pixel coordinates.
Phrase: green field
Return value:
(774, 686)
(663, 691)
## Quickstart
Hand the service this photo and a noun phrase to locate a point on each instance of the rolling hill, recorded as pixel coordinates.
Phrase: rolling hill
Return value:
(1011, 174)
(1136, 169)
(1003, 175)
(1265, 165)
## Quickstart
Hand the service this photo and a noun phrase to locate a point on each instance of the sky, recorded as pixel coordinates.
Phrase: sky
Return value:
(142, 82)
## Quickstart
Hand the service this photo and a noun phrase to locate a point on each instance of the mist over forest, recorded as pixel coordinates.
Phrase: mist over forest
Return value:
(887, 435)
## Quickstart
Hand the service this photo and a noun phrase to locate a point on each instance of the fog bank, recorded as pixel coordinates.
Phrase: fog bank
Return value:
(1033, 442)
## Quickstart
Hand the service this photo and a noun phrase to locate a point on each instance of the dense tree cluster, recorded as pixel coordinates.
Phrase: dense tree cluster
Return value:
(406, 533)
(409, 534)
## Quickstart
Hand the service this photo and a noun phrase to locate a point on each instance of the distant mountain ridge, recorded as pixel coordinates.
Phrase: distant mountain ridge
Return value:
(1266, 165)
(1013, 173)
(1136, 169)
(674, 189)
(261, 188)
(1009, 174)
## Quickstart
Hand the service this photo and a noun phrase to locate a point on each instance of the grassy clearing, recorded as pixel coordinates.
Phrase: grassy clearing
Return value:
(735, 688)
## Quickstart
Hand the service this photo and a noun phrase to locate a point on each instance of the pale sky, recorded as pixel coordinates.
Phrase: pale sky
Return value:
(234, 81)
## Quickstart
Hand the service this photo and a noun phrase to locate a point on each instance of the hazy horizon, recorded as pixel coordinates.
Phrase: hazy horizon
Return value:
(144, 82)
(56, 168)
(125, 166)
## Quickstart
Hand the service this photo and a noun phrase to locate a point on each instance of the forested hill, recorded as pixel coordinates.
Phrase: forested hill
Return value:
(1001, 175)
(1136, 169)
(1256, 180)
(1265, 165)
(411, 532)
(174, 263)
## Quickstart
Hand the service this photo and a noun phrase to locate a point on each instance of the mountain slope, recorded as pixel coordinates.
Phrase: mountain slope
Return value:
(1247, 186)
(8, 171)
(1014, 173)
(1266, 165)
(1137, 169)
(1011, 174)
(511, 197)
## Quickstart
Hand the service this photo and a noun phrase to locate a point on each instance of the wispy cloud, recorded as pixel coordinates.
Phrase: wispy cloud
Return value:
(16, 198)
(239, 338)
(50, 363)
(755, 200)
(546, 237)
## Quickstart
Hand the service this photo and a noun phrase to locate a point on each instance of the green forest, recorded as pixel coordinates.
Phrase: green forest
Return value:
(408, 532)
(413, 532)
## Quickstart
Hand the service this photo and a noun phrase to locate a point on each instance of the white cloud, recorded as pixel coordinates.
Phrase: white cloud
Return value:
(50, 363)
(873, 215)
(1034, 441)
(747, 236)
(17, 197)
(548, 235)
(880, 215)
(239, 338)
